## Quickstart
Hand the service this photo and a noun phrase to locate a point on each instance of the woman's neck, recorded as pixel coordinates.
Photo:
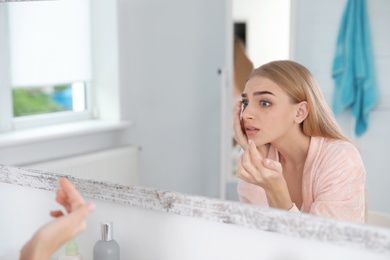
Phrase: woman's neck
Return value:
(293, 151)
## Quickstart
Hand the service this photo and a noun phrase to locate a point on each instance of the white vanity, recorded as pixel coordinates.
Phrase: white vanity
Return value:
(156, 224)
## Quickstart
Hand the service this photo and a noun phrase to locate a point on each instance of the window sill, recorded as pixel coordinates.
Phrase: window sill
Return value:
(56, 132)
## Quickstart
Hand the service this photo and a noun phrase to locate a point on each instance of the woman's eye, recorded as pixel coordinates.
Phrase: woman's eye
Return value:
(244, 103)
(265, 103)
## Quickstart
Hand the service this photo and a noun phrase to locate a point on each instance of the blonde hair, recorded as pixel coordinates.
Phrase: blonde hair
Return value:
(300, 85)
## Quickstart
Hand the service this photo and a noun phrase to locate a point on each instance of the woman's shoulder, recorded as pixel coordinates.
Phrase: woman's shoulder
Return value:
(330, 144)
(332, 150)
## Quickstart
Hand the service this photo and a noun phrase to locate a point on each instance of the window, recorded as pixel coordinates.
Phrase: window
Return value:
(47, 72)
(43, 100)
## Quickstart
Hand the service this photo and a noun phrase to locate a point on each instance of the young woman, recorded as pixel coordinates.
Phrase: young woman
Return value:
(294, 155)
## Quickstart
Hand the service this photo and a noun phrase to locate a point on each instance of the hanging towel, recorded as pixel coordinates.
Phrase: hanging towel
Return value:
(353, 66)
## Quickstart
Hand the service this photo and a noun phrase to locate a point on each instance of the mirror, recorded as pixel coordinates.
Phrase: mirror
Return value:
(174, 74)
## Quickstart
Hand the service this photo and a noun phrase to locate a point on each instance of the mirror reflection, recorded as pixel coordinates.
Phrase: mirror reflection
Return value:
(174, 77)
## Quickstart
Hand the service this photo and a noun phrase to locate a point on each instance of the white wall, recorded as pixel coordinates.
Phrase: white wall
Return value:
(268, 28)
(316, 28)
(146, 234)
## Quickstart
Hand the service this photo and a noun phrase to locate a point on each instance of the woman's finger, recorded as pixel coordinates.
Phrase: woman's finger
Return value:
(242, 173)
(250, 168)
(77, 217)
(273, 165)
(255, 156)
(239, 135)
(74, 197)
(240, 170)
(62, 198)
(56, 213)
(76, 220)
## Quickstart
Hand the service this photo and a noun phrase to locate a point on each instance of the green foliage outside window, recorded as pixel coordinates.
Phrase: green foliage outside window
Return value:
(33, 101)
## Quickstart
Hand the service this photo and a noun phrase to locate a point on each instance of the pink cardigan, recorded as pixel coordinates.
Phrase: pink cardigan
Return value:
(333, 181)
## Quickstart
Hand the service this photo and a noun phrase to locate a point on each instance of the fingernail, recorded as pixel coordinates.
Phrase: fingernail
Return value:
(267, 161)
(250, 141)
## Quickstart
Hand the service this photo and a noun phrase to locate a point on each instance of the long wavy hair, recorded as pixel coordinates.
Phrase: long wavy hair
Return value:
(300, 85)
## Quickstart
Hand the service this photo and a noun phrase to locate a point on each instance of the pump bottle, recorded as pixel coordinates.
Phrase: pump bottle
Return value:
(71, 252)
(106, 248)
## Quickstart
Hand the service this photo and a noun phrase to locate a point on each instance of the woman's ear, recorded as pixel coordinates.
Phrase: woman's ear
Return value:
(302, 112)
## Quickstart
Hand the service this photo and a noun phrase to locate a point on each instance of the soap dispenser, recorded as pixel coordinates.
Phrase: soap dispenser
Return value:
(71, 252)
(106, 248)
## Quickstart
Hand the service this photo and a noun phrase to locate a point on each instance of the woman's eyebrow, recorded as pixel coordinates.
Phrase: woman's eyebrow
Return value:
(257, 93)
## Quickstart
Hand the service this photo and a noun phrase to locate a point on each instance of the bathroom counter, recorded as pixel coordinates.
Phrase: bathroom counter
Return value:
(295, 225)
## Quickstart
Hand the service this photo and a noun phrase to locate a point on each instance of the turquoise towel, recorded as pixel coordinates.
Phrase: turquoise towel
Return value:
(353, 66)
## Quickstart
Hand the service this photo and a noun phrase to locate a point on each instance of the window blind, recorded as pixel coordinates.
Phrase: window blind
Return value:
(49, 42)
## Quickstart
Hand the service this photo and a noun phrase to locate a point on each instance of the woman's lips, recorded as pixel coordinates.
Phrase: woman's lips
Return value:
(251, 130)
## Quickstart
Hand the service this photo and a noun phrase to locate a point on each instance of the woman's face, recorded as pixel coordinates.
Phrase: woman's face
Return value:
(268, 112)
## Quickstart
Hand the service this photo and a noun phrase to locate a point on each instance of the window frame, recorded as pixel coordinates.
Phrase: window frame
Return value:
(6, 111)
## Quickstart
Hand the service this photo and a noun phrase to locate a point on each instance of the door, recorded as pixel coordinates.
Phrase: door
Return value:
(175, 62)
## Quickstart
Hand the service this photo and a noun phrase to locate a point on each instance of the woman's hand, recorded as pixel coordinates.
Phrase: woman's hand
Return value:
(239, 134)
(67, 196)
(254, 168)
(53, 235)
